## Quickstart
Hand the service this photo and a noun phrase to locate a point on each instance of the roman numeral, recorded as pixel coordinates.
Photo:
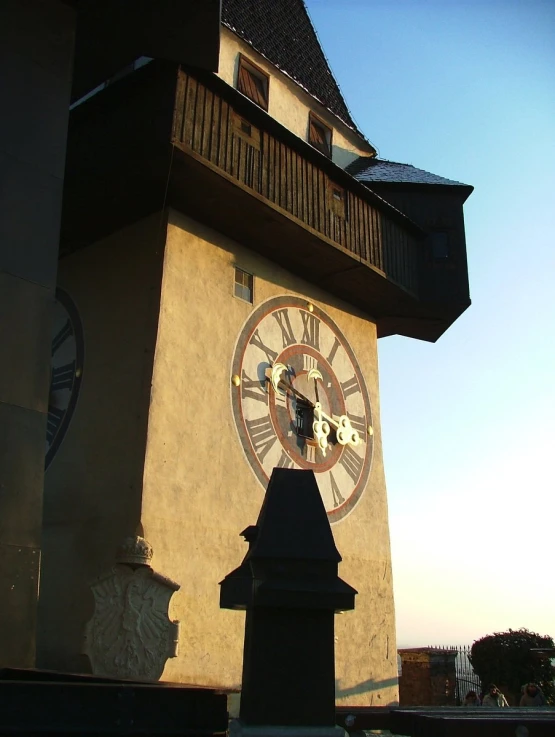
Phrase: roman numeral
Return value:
(258, 342)
(309, 362)
(252, 389)
(62, 336)
(333, 351)
(282, 319)
(285, 461)
(337, 498)
(62, 377)
(359, 424)
(262, 435)
(310, 451)
(350, 387)
(351, 462)
(311, 330)
(53, 422)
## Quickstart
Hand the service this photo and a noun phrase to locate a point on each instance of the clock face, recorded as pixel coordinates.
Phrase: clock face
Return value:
(66, 371)
(299, 401)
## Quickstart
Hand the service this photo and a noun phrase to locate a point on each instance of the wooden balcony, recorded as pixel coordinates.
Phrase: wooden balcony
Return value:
(213, 154)
(262, 185)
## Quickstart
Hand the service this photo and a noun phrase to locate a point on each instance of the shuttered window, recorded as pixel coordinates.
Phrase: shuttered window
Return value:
(319, 135)
(253, 83)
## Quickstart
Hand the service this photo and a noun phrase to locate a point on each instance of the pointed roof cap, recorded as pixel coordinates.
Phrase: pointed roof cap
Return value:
(281, 30)
(293, 522)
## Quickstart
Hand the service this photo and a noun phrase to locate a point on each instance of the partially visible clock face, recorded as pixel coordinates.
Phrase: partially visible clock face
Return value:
(299, 400)
(66, 371)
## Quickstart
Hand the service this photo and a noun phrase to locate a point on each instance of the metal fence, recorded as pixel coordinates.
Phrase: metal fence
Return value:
(467, 680)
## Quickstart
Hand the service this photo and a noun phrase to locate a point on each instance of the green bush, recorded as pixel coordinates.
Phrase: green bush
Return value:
(504, 658)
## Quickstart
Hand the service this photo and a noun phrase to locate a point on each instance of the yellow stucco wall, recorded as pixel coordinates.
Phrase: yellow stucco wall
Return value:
(199, 491)
(92, 490)
(288, 102)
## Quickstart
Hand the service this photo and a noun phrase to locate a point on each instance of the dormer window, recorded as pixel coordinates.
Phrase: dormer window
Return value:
(253, 82)
(319, 135)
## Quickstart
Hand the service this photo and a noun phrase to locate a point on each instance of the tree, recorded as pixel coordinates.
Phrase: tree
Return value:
(505, 658)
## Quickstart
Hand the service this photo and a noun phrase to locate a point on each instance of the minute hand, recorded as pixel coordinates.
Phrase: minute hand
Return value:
(344, 431)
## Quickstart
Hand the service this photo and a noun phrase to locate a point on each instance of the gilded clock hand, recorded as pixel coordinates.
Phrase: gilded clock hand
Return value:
(344, 431)
(320, 428)
(315, 374)
(274, 374)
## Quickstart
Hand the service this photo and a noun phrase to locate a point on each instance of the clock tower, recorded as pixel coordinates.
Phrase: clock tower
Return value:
(224, 281)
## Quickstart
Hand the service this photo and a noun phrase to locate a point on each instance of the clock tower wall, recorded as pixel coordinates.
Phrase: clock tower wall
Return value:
(200, 488)
(93, 485)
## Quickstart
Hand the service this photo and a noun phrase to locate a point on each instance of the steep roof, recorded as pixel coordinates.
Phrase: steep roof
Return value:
(281, 30)
(368, 170)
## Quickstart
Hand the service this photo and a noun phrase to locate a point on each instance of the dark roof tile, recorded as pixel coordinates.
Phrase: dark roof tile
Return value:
(366, 170)
(281, 30)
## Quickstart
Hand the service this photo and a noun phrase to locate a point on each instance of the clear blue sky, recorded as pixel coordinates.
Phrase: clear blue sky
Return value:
(466, 89)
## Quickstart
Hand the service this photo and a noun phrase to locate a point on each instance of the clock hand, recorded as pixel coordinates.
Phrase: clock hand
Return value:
(320, 428)
(315, 374)
(312, 374)
(344, 431)
(296, 392)
(274, 374)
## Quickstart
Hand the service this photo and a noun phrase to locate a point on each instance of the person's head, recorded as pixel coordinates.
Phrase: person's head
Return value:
(492, 688)
(471, 696)
(532, 689)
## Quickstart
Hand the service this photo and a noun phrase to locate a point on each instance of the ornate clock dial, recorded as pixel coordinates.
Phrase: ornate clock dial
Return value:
(66, 371)
(300, 401)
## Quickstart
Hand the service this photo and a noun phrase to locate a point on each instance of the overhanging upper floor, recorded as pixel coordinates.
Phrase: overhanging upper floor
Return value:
(170, 136)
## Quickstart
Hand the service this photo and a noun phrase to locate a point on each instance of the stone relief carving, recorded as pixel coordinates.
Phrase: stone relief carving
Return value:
(130, 634)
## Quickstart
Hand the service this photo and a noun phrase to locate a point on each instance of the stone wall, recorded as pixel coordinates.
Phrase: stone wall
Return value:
(428, 677)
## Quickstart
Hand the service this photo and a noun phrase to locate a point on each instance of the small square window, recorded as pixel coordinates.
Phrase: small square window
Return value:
(337, 200)
(245, 130)
(253, 82)
(243, 285)
(319, 135)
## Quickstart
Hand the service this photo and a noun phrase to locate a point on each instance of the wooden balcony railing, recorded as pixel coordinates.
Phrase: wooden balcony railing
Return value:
(212, 128)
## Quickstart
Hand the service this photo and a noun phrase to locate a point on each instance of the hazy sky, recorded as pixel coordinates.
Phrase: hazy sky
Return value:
(466, 89)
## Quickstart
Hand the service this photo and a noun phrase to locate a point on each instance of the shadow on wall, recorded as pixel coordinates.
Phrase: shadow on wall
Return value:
(343, 157)
(234, 694)
(368, 686)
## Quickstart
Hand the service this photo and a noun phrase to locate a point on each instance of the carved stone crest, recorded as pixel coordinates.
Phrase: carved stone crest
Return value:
(130, 634)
